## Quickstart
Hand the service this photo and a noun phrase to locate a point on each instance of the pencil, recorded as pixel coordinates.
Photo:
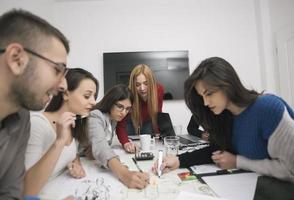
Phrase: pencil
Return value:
(138, 167)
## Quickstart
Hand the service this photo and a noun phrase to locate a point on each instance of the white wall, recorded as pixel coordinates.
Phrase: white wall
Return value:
(282, 14)
(272, 16)
(282, 19)
(226, 28)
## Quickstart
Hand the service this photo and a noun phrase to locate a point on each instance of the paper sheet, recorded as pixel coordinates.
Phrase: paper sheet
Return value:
(97, 182)
(233, 186)
(194, 196)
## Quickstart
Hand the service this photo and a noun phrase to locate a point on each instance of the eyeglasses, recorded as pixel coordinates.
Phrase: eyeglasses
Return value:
(122, 108)
(59, 67)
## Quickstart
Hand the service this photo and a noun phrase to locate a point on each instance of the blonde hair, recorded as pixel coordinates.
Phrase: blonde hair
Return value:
(152, 100)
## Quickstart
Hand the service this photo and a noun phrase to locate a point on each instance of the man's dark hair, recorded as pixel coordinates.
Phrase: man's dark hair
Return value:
(31, 31)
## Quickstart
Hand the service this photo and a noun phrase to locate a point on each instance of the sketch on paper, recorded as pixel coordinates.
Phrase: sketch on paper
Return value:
(168, 187)
(93, 190)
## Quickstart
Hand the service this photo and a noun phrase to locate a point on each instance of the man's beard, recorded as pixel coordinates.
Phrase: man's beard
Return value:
(24, 90)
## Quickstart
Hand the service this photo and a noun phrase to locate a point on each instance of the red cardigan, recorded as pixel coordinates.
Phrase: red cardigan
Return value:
(121, 128)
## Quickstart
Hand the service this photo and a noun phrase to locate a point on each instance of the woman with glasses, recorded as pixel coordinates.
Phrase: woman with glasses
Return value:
(56, 133)
(248, 130)
(114, 106)
(148, 98)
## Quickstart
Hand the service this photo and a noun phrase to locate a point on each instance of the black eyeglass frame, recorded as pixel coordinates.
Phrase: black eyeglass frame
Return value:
(121, 108)
(60, 67)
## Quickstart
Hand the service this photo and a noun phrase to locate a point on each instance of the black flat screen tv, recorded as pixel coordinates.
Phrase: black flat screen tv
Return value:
(171, 69)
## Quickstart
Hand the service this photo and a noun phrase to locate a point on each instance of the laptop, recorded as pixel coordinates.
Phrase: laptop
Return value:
(166, 129)
(189, 139)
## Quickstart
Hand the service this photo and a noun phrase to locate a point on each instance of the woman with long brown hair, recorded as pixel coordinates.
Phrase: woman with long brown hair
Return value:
(56, 133)
(248, 130)
(148, 98)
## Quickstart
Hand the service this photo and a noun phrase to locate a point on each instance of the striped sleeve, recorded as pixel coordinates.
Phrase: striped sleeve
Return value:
(281, 151)
(271, 109)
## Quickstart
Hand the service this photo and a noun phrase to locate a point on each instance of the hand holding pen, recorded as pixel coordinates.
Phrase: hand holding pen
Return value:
(169, 163)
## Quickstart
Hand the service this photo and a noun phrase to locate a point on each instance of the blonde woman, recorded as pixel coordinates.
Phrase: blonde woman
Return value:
(148, 98)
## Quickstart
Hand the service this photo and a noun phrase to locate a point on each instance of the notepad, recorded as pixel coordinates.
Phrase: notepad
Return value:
(204, 169)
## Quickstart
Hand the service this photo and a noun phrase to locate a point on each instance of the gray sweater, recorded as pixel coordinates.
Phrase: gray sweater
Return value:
(101, 132)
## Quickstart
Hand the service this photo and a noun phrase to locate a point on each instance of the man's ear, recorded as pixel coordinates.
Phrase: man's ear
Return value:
(16, 58)
(65, 95)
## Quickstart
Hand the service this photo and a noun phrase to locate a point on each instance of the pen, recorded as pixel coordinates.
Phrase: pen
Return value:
(140, 170)
(230, 171)
(160, 154)
(197, 176)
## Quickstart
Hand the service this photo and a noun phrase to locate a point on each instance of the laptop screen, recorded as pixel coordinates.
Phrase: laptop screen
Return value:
(165, 125)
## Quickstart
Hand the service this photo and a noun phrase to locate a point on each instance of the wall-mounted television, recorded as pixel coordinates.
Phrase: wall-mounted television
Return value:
(171, 69)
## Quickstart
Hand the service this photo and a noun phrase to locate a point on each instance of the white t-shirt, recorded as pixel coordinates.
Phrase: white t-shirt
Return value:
(42, 136)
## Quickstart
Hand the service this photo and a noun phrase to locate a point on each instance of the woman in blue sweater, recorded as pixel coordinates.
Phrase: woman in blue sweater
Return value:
(248, 130)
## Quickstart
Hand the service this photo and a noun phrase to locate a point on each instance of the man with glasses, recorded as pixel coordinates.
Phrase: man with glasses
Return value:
(33, 57)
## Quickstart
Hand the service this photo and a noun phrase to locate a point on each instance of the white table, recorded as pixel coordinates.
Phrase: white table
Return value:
(102, 181)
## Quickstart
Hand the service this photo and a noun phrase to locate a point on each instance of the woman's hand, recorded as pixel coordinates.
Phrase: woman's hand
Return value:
(224, 159)
(64, 127)
(75, 169)
(170, 162)
(130, 147)
(205, 136)
(134, 179)
(88, 152)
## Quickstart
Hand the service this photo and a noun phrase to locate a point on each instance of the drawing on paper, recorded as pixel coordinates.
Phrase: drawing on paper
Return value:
(167, 186)
(93, 189)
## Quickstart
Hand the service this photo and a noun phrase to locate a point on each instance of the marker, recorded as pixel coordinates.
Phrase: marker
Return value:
(160, 154)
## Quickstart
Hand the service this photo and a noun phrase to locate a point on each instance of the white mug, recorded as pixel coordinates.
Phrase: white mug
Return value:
(145, 141)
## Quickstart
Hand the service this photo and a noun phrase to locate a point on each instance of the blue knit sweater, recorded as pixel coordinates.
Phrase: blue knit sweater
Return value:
(253, 127)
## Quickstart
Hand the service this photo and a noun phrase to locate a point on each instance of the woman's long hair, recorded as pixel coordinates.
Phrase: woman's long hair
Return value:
(152, 100)
(73, 78)
(116, 93)
(217, 73)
